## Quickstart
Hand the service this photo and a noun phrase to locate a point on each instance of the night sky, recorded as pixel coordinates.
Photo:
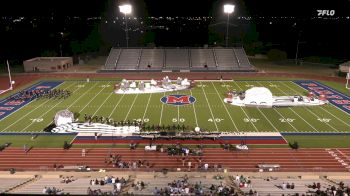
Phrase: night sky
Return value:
(327, 36)
(172, 7)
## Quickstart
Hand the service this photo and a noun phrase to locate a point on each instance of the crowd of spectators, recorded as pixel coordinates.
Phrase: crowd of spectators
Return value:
(183, 187)
(334, 190)
(51, 190)
(139, 185)
(117, 162)
(67, 179)
(118, 184)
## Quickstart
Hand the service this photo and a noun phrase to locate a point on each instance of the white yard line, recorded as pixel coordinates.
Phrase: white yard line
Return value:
(90, 99)
(115, 107)
(308, 108)
(330, 112)
(279, 112)
(27, 104)
(194, 111)
(222, 102)
(55, 106)
(335, 116)
(132, 105)
(144, 114)
(299, 115)
(217, 129)
(178, 111)
(30, 110)
(103, 103)
(178, 114)
(161, 113)
(256, 129)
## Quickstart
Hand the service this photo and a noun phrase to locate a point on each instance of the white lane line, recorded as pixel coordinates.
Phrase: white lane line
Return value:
(194, 110)
(144, 114)
(217, 129)
(344, 155)
(222, 102)
(132, 105)
(256, 129)
(54, 107)
(279, 112)
(309, 110)
(161, 113)
(30, 110)
(115, 107)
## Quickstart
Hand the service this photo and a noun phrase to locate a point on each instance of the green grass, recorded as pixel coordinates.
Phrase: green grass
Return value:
(208, 112)
(320, 141)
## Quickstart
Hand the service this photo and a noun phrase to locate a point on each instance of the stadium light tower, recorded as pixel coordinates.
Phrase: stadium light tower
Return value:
(126, 9)
(228, 9)
(61, 33)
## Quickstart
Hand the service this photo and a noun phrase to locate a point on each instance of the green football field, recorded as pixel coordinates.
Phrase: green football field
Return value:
(209, 112)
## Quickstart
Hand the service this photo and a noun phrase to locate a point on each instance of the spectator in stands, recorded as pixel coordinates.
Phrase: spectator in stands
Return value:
(206, 166)
(45, 190)
(156, 191)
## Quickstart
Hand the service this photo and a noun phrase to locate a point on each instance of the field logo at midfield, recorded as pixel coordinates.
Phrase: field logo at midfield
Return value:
(178, 99)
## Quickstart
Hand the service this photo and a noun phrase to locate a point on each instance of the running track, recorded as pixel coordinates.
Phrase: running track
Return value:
(303, 160)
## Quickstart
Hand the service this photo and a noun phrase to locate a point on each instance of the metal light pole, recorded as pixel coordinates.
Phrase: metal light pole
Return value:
(61, 52)
(296, 52)
(228, 9)
(126, 9)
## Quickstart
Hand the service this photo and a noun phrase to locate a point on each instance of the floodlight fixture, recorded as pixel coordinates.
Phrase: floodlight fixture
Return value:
(125, 9)
(229, 8)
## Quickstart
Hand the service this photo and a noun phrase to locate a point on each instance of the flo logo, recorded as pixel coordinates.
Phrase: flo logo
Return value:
(178, 99)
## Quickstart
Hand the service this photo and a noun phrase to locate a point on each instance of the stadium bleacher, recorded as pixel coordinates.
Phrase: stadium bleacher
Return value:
(202, 58)
(242, 58)
(129, 59)
(226, 59)
(9, 183)
(151, 59)
(111, 61)
(177, 59)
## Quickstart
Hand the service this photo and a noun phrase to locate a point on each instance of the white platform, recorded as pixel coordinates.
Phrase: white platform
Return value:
(277, 101)
(152, 89)
(95, 128)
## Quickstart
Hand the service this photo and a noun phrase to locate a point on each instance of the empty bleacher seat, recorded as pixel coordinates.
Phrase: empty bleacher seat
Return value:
(152, 57)
(128, 59)
(177, 59)
(111, 62)
(202, 57)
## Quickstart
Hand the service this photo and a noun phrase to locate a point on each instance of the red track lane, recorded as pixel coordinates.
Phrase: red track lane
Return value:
(302, 160)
